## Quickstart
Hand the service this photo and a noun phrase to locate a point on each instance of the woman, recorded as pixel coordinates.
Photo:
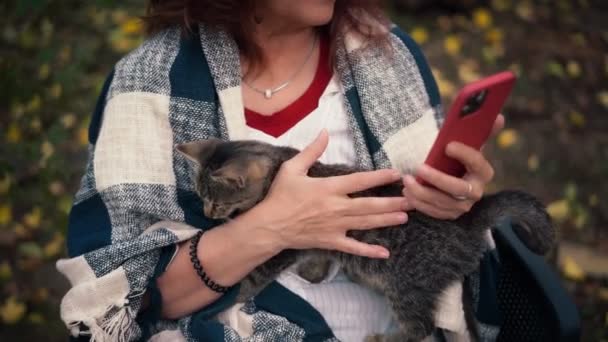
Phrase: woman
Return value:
(329, 77)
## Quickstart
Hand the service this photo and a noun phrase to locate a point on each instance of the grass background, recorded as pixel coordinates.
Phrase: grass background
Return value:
(55, 54)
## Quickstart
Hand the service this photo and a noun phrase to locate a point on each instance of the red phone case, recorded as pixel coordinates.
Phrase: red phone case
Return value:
(474, 128)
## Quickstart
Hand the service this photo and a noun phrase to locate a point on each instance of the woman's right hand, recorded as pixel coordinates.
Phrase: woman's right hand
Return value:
(304, 212)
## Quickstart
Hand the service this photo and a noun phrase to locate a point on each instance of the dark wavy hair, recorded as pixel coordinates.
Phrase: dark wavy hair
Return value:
(237, 18)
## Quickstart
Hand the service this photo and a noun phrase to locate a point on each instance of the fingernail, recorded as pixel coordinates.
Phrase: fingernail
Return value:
(396, 174)
(402, 217)
(384, 253)
(405, 204)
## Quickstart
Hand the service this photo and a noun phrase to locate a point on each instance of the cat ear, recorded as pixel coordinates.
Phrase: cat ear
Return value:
(200, 150)
(230, 175)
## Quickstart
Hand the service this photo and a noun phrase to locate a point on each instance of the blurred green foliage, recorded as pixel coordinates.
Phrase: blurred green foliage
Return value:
(55, 55)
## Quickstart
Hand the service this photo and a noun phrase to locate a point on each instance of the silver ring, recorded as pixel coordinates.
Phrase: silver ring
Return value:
(465, 197)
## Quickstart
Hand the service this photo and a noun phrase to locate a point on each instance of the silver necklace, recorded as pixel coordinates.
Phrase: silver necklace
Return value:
(271, 91)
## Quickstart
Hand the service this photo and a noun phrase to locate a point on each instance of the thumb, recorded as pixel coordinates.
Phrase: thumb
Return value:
(311, 153)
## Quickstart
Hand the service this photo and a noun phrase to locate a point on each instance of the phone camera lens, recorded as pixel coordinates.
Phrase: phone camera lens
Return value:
(474, 102)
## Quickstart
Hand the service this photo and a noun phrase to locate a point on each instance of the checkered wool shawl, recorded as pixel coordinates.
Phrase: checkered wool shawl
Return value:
(136, 199)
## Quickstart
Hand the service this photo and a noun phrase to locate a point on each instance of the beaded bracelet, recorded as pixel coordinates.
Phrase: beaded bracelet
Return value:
(199, 269)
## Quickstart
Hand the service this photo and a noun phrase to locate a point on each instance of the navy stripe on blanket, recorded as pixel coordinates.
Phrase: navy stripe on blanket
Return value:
(190, 76)
(89, 226)
(425, 71)
(371, 141)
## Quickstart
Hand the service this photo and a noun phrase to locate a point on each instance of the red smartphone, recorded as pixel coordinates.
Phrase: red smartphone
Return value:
(470, 119)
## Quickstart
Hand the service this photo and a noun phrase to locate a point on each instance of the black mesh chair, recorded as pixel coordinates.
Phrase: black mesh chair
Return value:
(534, 304)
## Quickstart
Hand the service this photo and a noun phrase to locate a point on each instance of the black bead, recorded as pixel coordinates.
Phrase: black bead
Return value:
(199, 269)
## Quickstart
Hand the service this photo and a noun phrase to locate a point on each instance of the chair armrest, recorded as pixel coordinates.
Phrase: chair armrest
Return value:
(556, 301)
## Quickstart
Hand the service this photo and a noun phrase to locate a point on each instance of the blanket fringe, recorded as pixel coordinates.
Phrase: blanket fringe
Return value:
(118, 326)
(112, 328)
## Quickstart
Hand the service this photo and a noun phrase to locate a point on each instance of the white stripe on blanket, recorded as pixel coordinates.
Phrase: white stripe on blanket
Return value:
(231, 101)
(408, 147)
(135, 141)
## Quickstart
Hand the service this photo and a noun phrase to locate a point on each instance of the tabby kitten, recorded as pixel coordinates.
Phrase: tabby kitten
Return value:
(427, 254)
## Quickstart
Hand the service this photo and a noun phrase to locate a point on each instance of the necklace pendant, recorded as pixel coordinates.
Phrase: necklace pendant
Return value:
(268, 93)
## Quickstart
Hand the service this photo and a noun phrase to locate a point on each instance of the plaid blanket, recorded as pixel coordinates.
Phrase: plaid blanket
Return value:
(136, 199)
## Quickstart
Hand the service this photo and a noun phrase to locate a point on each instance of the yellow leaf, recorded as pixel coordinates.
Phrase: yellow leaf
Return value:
(65, 204)
(123, 44)
(576, 119)
(5, 271)
(20, 231)
(44, 71)
(467, 71)
(47, 150)
(56, 188)
(46, 27)
(533, 162)
(593, 200)
(34, 104)
(525, 10)
(446, 88)
(132, 26)
(507, 138)
(482, 18)
(554, 68)
(602, 98)
(32, 219)
(35, 318)
(5, 184)
(452, 45)
(12, 311)
(516, 68)
(581, 219)
(83, 136)
(6, 214)
(68, 120)
(14, 133)
(572, 270)
(420, 35)
(573, 69)
(55, 91)
(36, 125)
(54, 247)
(494, 36)
(558, 210)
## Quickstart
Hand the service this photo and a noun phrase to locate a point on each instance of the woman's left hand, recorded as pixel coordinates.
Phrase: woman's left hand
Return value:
(451, 196)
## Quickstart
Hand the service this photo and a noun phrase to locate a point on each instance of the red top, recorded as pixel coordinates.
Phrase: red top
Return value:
(280, 122)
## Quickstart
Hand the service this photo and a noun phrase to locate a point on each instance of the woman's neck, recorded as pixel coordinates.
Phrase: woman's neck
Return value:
(283, 48)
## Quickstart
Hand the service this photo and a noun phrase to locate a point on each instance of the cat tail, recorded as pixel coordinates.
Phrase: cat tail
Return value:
(528, 216)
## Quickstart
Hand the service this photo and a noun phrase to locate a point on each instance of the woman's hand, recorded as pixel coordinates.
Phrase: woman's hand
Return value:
(305, 212)
(451, 196)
